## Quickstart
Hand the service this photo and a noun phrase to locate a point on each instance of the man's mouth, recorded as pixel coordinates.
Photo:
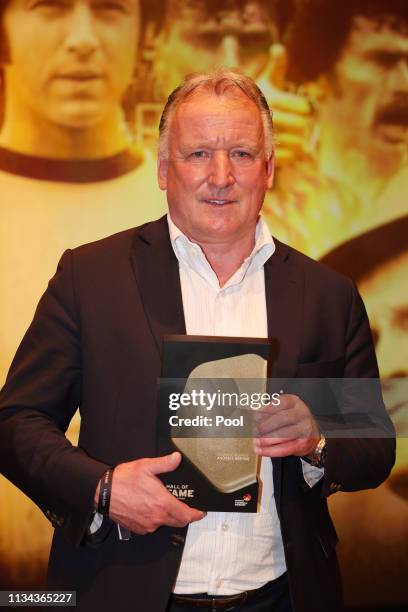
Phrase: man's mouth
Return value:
(219, 201)
(392, 121)
(394, 115)
(80, 76)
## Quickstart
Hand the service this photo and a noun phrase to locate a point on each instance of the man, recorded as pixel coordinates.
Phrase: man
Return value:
(352, 57)
(374, 551)
(64, 139)
(68, 174)
(249, 35)
(243, 34)
(71, 87)
(96, 342)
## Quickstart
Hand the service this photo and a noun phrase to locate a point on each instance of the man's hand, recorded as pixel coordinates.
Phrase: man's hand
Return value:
(140, 501)
(287, 429)
(292, 113)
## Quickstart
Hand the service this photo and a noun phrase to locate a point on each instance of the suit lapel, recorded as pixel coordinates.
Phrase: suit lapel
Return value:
(157, 275)
(284, 298)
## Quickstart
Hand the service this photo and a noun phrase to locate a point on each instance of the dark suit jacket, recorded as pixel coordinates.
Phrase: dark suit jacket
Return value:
(96, 342)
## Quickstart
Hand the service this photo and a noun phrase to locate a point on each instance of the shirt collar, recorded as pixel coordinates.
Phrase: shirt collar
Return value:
(190, 254)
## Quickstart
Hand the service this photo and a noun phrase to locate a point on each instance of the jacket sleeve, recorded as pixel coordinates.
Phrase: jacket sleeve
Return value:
(360, 460)
(41, 394)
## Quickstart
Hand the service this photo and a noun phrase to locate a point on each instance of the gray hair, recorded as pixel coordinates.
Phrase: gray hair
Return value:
(218, 83)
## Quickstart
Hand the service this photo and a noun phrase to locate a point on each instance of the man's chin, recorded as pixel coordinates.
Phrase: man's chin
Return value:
(79, 116)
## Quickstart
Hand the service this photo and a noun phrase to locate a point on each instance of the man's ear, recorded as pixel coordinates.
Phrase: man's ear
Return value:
(270, 170)
(162, 165)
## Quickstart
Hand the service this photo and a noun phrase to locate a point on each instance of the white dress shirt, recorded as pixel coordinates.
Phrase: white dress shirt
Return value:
(229, 552)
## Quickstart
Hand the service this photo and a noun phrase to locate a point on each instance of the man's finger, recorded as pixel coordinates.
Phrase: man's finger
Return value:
(271, 441)
(273, 425)
(283, 449)
(294, 142)
(183, 520)
(283, 157)
(277, 65)
(290, 102)
(267, 411)
(291, 122)
(182, 513)
(167, 463)
(286, 402)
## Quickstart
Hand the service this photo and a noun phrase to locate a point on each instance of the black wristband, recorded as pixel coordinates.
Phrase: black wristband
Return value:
(105, 492)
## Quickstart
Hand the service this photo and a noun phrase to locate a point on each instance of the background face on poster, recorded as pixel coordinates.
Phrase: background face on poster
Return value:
(66, 67)
(92, 86)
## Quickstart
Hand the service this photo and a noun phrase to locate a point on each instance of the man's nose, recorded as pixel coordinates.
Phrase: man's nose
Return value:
(81, 36)
(228, 52)
(220, 170)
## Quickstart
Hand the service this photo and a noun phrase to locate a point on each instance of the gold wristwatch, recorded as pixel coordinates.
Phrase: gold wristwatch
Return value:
(318, 457)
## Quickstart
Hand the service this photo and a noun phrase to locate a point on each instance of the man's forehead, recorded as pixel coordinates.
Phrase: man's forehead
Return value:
(222, 15)
(202, 100)
(27, 3)
(204, 110)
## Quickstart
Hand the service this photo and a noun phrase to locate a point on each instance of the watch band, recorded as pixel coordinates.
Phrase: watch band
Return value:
(318, 457)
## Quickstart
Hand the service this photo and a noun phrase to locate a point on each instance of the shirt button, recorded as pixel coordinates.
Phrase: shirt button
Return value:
(218, 582)
(225, 526)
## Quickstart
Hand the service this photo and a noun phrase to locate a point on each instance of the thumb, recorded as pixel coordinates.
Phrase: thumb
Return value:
(277, 65)
(287, 401)
(167, 463)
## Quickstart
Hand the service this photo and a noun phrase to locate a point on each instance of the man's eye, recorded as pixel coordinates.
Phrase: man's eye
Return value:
(50, 4)
(386, 60)
(199, 155)
(241, 155)
(110, 6)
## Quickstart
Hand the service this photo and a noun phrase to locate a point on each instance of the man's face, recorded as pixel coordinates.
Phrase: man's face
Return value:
(385, 294)
(369, 99)
(373, 553)
(70, 61)
(216, 173)
(234, 35)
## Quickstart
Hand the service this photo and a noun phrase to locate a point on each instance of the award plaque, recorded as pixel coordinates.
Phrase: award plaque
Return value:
(208, 392)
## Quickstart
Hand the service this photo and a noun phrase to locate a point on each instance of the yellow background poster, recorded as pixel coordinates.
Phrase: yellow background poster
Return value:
(82, 85)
